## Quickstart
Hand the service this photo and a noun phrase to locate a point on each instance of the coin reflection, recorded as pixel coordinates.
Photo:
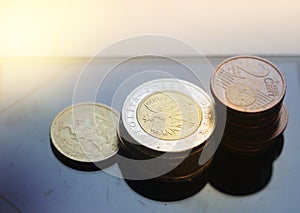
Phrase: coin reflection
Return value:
(243, 175)
(168, 191)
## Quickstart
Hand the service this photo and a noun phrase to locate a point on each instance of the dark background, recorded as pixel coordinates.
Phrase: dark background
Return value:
(32, 179)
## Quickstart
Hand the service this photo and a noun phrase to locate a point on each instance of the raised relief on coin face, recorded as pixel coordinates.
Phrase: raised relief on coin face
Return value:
(252, 67)
(169, 115)
(240, 95)
(86, 132)
(248, 84)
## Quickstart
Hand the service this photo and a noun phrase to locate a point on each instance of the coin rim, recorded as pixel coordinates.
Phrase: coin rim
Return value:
(61, 151)
(231, 106)
(180, 145)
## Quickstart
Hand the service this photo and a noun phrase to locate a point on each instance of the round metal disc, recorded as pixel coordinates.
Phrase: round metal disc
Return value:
(248, 84)
(168, 115)
(86, 132)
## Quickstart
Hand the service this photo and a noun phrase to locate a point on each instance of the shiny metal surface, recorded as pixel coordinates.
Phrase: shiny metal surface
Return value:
(86, 132)
(165, 125)
(248, 84)
(169, 115)
(33, 180)
(252, 89)
(174, 127)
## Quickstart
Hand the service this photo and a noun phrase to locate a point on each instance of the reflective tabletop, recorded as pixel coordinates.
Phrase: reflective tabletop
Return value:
(32, 179)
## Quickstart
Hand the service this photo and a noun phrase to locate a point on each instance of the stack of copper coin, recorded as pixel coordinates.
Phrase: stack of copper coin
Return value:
(249, 92)
(165, 126)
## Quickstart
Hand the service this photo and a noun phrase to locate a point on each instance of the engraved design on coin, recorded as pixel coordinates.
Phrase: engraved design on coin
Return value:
(251, 67)
(169, 115)
(240, 94)
(86, 132)
(265, 80)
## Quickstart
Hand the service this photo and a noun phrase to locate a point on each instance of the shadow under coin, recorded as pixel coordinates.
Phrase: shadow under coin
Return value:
(159, 188)
(236, 174)
(82, 166)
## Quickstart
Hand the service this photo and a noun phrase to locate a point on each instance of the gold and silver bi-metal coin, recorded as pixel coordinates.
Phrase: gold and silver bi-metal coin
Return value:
(165, 125)
(168, 115)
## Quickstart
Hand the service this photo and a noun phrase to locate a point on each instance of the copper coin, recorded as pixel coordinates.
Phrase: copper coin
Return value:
(252, 144)
(273, 131)
(262, 128)
(248, 84)
(239, 122)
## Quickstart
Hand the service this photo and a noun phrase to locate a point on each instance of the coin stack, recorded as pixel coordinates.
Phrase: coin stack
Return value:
(165, 125)
(249, 92)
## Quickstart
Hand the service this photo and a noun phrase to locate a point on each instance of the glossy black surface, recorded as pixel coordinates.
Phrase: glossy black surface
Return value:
(32, 179)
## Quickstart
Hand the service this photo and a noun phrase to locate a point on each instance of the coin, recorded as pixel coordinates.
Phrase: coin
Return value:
(85, 132)
(249, 141)
(165, 125)
(252, 89)
(248, 84)
(168, 115)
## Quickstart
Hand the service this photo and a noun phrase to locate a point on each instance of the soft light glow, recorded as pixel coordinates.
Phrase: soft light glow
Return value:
(23, 30)
(82, 28)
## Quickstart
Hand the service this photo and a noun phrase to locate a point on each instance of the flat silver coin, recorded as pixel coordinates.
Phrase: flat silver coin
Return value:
(86, 132)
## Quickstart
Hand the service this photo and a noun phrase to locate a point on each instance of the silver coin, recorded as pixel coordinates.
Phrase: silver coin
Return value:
(86, 132)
